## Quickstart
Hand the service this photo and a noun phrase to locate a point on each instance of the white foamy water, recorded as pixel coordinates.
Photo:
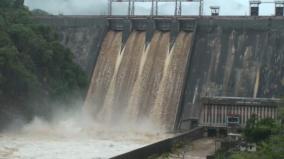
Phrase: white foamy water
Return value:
(71, 139)
(28, 147)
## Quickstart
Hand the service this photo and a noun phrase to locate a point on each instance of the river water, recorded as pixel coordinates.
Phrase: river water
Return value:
(71, 139)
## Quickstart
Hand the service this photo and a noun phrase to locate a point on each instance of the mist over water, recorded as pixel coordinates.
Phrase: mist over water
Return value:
(71, 135)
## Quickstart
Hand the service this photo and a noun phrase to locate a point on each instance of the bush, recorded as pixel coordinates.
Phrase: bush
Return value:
(259, 130)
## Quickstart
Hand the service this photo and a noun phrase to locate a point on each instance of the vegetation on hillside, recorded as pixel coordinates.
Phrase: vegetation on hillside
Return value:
(35, 68)
(258, 130)
(269, 135)
(39, 12)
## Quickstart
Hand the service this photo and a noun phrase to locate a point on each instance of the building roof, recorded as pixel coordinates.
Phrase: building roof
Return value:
(234, 134)
(241, 101)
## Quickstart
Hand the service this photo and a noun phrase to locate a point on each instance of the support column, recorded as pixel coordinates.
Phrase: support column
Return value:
(212, 114)
(257, 110)
(152, 8)
(110, 7)
(246, 113)
(249, 111)
(129, 7)
(262, 112)
(222, 115)
(275, 113)
(176, 7)
(243, 116)
(265, 111)
(206, 115)
(202, 115)
(238, 110)
(272, 112)
(157, 8)
(239, 113)
(201, 8)
(219, 115)
(133, 8)
(215, 112)
(180, 8)
(225, 114)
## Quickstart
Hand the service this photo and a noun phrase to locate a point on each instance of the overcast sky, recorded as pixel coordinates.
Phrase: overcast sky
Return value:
(91, 7)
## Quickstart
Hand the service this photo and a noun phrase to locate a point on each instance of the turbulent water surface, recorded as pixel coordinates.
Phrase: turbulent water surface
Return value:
(68, 139)
(29, 147)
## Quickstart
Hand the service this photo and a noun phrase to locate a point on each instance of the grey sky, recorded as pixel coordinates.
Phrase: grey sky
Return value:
(90, 7)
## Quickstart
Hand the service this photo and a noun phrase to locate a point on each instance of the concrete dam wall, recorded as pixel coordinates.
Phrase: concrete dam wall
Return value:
(83, 35)
(238, 57)
(158, 68)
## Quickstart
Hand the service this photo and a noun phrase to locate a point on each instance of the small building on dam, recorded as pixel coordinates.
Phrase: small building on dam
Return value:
(226, 112)
(214, 70)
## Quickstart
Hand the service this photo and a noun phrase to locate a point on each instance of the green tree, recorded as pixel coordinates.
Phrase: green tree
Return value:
(39, 12)
(272, 148)
(11, 3)
(6, 3)
(18, 3)
(35, 69)
(258, 130)
(269, 147)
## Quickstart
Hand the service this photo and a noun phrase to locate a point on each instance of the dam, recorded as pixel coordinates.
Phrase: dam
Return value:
(143, 86)
(155, 79)
(158, 68)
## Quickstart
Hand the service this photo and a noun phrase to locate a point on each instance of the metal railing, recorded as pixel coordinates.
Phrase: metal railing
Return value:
(154, 6)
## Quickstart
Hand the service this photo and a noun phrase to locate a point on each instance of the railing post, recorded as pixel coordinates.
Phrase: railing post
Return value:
(110, 7)
(133, 8)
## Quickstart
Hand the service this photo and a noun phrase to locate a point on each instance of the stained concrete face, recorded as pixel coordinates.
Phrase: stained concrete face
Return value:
(83, 35)
(238, 58)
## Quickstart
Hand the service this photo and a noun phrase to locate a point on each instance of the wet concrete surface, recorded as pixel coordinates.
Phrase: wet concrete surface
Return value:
(197, 149)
